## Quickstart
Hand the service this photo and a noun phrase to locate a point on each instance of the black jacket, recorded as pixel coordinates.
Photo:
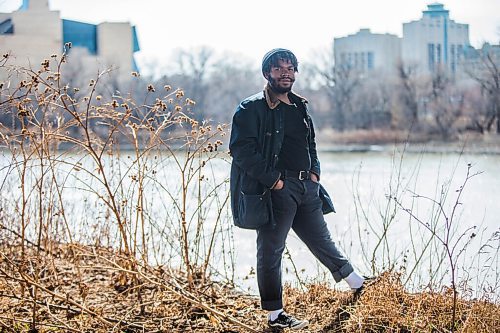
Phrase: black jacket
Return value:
(256, 137)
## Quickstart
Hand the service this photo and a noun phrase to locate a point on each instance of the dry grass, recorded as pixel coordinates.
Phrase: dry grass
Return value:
(75, 288)
(376, 136)
(387, 307)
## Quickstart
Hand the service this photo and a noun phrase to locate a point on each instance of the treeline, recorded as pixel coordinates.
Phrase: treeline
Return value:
(438, 105)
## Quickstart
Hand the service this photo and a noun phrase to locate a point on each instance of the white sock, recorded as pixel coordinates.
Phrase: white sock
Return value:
(354, 280)
(272, 315)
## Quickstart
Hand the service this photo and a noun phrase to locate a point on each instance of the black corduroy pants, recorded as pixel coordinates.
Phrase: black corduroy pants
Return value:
(296, 206)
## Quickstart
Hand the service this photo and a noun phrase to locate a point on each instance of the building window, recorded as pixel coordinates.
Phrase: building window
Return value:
(370, 60)
(453, 58)
(349, 60)
(438, 53)
(430, 56)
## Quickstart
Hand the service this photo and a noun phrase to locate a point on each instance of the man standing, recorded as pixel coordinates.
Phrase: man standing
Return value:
(275, 185)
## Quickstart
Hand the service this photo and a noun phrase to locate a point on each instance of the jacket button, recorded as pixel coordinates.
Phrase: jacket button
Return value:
(277, 131)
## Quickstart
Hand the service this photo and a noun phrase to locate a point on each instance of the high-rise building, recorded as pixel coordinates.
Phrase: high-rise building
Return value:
(435, 41)
(34, 33)
(366, 51)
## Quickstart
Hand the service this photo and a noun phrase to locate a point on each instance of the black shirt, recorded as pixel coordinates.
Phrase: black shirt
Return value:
(294, 154)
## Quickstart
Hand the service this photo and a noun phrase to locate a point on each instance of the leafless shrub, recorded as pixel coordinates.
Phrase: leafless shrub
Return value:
(148, 169)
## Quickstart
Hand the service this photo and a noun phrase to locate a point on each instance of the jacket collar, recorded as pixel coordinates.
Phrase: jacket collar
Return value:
(273, 101)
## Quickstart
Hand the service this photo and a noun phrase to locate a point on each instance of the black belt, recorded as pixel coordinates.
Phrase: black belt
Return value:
(300, 175)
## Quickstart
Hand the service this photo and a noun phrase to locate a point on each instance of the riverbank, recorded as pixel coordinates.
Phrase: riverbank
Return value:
(76, 288)
(387, 141)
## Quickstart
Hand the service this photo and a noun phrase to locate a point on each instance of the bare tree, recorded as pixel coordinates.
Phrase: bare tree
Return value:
(408, 96)
(477, 111)
(345, 82)
(445, 103)
(486, 72)
(341, 82)
(312, 86)
(232, 80)
(194, 67)
(372, 103)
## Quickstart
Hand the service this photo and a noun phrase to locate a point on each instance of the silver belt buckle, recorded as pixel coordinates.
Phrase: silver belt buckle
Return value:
(300, 175)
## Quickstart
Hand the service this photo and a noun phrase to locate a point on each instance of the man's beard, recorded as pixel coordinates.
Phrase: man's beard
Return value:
(273, 83)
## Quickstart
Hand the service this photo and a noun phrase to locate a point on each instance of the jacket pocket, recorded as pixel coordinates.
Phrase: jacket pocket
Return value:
(327, 204)
(254, 210)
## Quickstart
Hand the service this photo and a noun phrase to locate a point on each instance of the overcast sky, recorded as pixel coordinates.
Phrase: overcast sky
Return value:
(253, 27)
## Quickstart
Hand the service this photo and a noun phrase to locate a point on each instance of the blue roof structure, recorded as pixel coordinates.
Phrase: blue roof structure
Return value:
(135, 40)
(80, 34)
(6, 27)
(85, 35)
(135, 48)
(436, 10)
(25, 5)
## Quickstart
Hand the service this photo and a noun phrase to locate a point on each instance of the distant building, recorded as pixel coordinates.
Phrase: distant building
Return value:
(34, 32)
(488, 55)
(435, 41)
(366, 51)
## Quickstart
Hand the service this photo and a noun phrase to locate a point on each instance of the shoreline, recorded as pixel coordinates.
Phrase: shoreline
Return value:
(426, 148)
(369, 141)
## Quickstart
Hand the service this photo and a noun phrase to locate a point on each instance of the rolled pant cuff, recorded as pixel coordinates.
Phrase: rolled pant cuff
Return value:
(271, 305)
(343, 272)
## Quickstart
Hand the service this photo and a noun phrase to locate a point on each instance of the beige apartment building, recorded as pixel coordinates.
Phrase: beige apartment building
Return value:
(433, 42)
(367, 52)
(34, 33)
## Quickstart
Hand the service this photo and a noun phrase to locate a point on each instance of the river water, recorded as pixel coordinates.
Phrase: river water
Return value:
(395, 210)
(360, 185)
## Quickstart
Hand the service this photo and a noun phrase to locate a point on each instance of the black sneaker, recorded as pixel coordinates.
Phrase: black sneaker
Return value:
(368, 281)
(284, 320)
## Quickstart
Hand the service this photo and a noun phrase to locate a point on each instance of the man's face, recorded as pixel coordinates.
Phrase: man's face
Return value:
(281, 77)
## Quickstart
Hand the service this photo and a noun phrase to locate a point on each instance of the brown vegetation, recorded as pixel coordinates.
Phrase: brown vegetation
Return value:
(76, 288)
